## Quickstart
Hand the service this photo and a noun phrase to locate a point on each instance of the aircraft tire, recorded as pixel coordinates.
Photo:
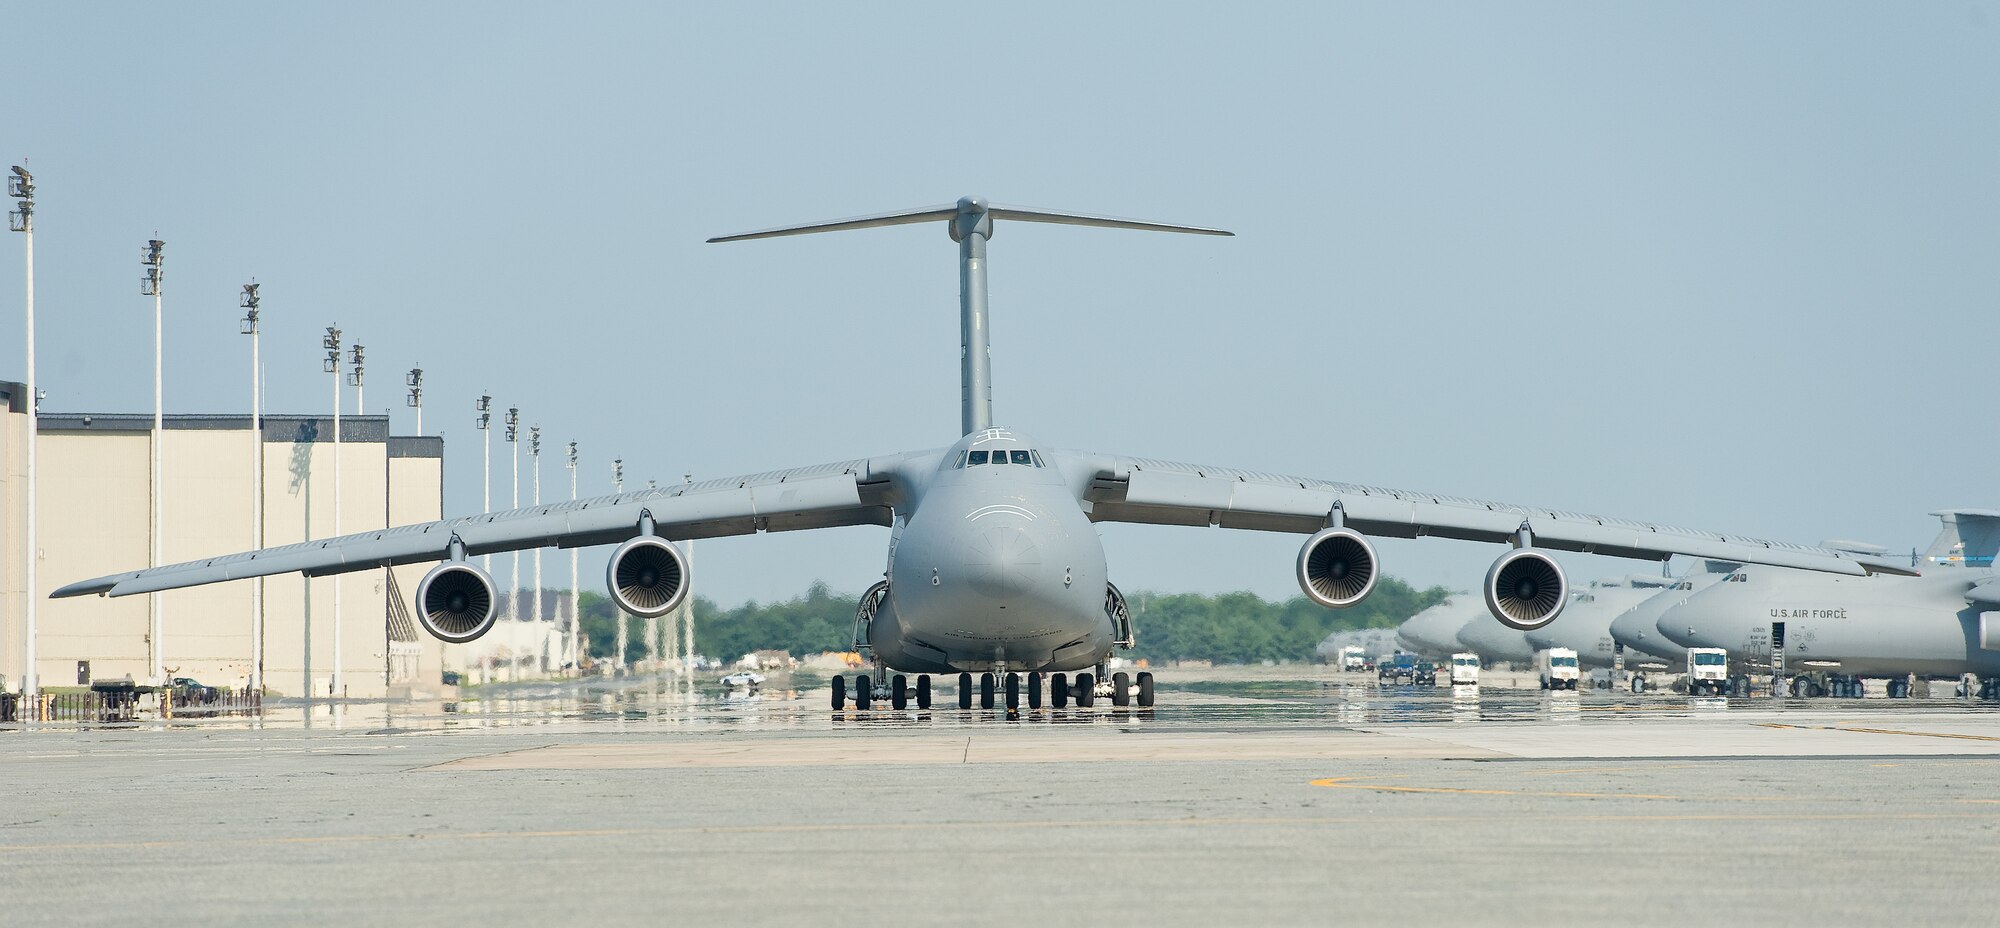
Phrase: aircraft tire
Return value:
(965, 691)
(1013, 691)
(1058, 691)
(839, 693)
(1035, 690)
(986, 691)
(1121, 689)
(1086, 690)
(1639, 683)
(923, 691)
(899, 692)
(864, 692)
(1145, 689)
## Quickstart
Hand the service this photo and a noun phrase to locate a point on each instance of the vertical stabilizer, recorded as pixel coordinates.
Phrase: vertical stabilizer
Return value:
(970, 224)
(1969, 538)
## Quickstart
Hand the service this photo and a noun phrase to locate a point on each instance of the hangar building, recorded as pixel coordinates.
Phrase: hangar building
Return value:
(95, 518)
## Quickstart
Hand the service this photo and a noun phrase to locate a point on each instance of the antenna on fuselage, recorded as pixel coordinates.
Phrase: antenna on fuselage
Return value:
(970, 223)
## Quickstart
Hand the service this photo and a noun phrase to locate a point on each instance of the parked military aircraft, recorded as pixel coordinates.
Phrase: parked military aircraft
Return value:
(1494, 642)
(1433, 632)
(1942, 624)
(1585, 627)
(994, 565)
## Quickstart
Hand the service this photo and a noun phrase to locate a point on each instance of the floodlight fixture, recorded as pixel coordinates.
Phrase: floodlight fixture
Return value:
(534, 441)
(331, 341)
(572, 455)
(154, 260)
(21, 187)
(249, 302)
(354, 379)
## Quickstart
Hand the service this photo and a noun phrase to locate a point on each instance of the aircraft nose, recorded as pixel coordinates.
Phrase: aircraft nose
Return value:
(1002, 562)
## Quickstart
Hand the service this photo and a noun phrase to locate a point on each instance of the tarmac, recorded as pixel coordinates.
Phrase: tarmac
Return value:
(1289, 796)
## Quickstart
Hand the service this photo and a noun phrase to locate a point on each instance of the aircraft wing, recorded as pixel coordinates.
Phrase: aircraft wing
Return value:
(846, 493)
(1124, 489)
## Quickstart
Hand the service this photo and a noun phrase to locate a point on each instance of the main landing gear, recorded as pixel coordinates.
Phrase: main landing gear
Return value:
(1055, 690)
(867, 690)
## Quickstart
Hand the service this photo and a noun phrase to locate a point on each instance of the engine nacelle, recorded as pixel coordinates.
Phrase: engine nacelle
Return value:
(456, 602)
(1337, 567)
(1526, 589)
(647, 576)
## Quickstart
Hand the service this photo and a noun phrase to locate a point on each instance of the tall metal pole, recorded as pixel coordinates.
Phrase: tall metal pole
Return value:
(252, 326)
(575, 612)
(485, 407)
(359, 409)
(687, 613)
(535, 456)
(514, 442)
(618, 486)
(332, 366)
(22, 187)
(152, 285)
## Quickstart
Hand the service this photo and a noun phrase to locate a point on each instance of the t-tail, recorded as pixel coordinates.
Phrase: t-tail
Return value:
(970, 224)
(1970, 538)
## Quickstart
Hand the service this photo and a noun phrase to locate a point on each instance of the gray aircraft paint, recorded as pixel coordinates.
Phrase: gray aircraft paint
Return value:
(987, 564)
(1433, 632)
(1585, 626)
(1493, 642)
(1944, 623)
(1637, 628)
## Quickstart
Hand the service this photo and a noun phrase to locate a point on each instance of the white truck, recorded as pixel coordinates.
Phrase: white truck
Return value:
(1708, 672)
(1465, 669)
(1353, 659)
(1557, 667)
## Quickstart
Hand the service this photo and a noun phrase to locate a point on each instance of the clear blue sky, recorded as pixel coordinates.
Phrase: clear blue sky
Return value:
(1730, 266)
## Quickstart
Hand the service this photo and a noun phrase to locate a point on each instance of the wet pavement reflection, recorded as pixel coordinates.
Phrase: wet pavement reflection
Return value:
(1232, 702)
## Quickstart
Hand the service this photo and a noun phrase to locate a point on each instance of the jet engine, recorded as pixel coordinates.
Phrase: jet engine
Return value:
(647, 576)
(1526, 589)
(456, 603)
(1337, 567)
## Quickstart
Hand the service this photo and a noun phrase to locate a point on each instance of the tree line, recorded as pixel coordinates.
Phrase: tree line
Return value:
(1232, 628)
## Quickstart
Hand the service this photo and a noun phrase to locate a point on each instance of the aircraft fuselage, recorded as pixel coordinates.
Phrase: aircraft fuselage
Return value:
(994, 564)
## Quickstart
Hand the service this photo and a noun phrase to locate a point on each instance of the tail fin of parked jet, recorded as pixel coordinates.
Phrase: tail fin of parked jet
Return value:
(1970, 538)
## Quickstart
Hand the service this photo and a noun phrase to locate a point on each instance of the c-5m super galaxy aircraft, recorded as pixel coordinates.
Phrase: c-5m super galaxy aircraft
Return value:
(994, 566)
(1943, 624)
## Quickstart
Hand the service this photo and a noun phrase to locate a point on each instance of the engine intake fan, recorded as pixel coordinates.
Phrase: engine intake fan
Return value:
(1337, 568)
(456, 603)
(647, 576)
(1526, 589)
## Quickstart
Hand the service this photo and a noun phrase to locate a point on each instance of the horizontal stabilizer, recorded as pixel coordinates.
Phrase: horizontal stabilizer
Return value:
(970, 207)
(904, 217)
(1106, 222)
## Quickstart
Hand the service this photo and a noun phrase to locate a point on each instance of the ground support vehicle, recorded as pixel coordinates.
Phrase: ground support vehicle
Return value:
(1465, 669)
(1400, 667)
(1353, 659)
(1557, 668)
(1426, 675)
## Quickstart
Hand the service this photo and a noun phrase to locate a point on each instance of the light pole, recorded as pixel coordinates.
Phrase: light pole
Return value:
(618, 486)
(360, 409)
(485, 422)
(687, 612)
(332, 366)
(153, 285)
(575, 607)
(21, 186)
(252, 325)
(415, 380)
(535, 462)
(514, 439)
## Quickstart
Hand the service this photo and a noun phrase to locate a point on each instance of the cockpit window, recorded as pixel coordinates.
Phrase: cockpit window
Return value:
(1038, 457)
(1021, 457)
(975, 458)
(960, 462)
